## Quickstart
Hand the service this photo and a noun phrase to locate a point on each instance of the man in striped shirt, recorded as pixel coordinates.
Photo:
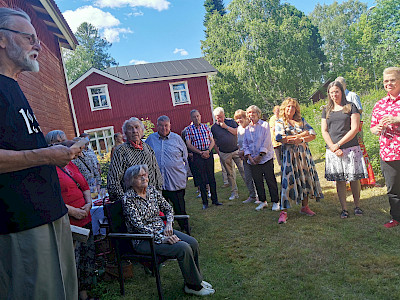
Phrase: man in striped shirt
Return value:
(199, 140)
(133, 152)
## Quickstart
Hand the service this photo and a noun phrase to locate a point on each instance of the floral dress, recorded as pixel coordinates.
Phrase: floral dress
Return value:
(299, 176)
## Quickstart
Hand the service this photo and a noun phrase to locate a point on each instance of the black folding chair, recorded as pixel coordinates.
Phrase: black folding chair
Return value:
(122, 242)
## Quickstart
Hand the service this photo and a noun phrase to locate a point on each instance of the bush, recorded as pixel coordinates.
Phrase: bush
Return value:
(104, 161)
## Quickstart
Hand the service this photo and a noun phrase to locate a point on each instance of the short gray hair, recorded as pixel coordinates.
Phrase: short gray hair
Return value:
(218, 110)
(6, 15)
(131, 172)
(193, 111)
(163, 119)
(55, 136)
(256, 109)
(133, 119)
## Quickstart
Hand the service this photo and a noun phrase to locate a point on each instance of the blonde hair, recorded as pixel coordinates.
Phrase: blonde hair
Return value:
(392, 70)
(240, 113)
(275, 108)
(256, 109)
(297, 114)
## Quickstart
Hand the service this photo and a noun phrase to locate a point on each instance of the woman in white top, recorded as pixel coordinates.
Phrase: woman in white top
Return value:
(241, 118)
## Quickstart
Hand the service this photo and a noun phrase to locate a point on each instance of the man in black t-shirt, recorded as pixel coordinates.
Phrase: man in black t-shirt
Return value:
(36, 251)
(225, 134)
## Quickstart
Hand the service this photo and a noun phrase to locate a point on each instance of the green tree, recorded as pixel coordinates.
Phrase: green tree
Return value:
(333, 22)
(264, 52)
(212, 6)
(373, 45)
(91, 52)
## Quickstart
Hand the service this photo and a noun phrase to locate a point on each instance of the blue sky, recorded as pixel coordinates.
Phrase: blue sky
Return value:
(150, 30)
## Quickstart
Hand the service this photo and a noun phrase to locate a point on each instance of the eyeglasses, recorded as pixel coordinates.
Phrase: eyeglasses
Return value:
(33, 40)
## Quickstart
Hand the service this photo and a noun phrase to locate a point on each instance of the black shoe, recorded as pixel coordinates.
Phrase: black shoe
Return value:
(205, 206)
(217, 203)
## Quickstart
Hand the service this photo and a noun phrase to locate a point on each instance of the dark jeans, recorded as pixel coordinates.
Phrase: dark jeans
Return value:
(185, 251)
(261, 172)
(204, 172)
(391, 172)
(177, 198)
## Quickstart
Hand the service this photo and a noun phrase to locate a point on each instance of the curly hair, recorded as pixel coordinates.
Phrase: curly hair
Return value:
(297, 114)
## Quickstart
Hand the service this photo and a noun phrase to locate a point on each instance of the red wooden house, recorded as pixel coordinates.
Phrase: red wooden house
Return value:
(47, 90)
(103, 100)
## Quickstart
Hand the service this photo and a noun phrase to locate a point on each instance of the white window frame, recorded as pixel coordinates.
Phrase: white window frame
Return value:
(95, 130)
(171, 87)
(89, 91)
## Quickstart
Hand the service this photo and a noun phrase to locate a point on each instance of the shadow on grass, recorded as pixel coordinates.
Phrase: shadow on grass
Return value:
(246, 254)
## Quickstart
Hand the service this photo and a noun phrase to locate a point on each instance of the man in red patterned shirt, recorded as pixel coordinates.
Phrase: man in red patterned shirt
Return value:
(200, 141)
(385, 122)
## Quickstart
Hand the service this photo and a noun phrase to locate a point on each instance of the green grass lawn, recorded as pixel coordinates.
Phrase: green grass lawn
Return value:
(246, 254)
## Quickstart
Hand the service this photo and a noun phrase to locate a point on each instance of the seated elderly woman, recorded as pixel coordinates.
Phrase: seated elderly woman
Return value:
(141, 205)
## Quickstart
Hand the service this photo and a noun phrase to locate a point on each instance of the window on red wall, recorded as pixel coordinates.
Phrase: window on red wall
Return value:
(179, 93)
(99, 97)
(101, 139)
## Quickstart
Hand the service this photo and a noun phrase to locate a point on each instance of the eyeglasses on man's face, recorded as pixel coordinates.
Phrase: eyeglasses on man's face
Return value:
(33, 40)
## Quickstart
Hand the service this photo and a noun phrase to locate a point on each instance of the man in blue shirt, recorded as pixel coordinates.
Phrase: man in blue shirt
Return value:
(171, 154)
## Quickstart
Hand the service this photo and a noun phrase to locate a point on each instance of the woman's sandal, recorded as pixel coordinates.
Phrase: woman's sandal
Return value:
(344, 214)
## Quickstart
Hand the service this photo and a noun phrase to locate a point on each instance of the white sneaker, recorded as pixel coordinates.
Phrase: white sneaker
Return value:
(203, 292)
(262, 205)
(209, 194)
(276, 206)
(199, 195)
(206, 285)
(234, 196)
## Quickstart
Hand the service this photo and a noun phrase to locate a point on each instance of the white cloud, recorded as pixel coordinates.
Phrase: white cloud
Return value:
(112, 34)
(95, 16)
(138, 62)
(135, 14)
(155, 4)
(182, 52)
(104, 21)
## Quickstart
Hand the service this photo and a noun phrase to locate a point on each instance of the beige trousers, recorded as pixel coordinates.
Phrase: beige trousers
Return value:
(227, 160)
(39, 263)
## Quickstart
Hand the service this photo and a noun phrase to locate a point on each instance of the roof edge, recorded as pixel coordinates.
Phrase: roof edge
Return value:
(62, 24)
(97, 71)
(170, 77)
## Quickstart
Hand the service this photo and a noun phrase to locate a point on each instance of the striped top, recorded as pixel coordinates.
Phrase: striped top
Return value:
(199, 136)
(126, 156)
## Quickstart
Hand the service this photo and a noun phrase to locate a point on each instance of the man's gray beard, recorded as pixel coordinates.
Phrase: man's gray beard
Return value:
(22, 60)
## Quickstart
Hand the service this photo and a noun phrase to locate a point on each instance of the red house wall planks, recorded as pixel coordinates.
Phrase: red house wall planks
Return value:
(143, 100)
(46, 91)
